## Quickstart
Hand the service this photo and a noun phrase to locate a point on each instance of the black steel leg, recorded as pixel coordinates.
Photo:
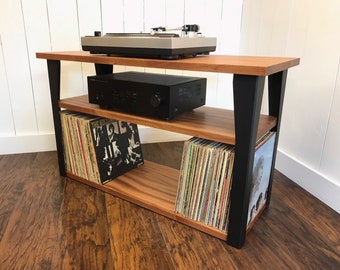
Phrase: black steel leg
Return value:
(248, 93)
(103, 69)
(276, 92)
(54, 79)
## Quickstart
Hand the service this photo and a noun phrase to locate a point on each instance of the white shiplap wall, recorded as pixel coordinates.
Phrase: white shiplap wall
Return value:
(55, 25)
(309, 147)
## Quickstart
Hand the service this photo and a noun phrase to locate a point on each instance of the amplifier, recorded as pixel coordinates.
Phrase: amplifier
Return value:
(147, 94)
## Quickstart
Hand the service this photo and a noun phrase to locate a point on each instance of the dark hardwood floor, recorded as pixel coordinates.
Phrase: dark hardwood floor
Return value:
(51, 222)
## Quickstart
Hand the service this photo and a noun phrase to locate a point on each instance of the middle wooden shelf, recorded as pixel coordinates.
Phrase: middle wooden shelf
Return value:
(205, 122)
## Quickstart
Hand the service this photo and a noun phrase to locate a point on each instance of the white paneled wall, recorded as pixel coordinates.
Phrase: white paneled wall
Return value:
(27, 27)
(17, 70)
(37, 35)
(309, 148)
(6, 113)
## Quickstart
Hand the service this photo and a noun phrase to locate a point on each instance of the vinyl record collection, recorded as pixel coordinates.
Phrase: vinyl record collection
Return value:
(205, 182)
(99, 149)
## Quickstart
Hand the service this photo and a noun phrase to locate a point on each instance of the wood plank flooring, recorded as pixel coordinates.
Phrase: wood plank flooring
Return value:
(51, 222)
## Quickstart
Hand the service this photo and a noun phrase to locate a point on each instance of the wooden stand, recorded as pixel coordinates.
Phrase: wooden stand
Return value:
(154, 186)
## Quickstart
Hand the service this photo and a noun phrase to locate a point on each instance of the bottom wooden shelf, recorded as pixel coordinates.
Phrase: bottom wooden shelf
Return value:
(154, 187)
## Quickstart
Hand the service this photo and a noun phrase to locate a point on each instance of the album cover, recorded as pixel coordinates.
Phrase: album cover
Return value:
(117, 147)
(99, 149)
(261, 175)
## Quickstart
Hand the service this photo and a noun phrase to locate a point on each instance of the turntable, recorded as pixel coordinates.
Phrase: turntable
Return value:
(156, 44)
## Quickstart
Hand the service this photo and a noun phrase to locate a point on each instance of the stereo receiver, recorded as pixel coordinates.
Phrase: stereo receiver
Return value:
(157, 95)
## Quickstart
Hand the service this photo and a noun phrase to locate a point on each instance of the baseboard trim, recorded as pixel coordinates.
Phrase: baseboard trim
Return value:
(27, 144)
(46, 142)
(152, 135)
(309, 179)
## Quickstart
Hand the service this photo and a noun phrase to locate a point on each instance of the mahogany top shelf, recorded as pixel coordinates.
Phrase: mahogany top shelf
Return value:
(244, 65)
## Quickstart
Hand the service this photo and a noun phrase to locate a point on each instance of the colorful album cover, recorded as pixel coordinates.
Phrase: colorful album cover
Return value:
(261, 176)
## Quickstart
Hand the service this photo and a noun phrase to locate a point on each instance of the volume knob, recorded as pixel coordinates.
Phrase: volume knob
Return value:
(155, 100)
